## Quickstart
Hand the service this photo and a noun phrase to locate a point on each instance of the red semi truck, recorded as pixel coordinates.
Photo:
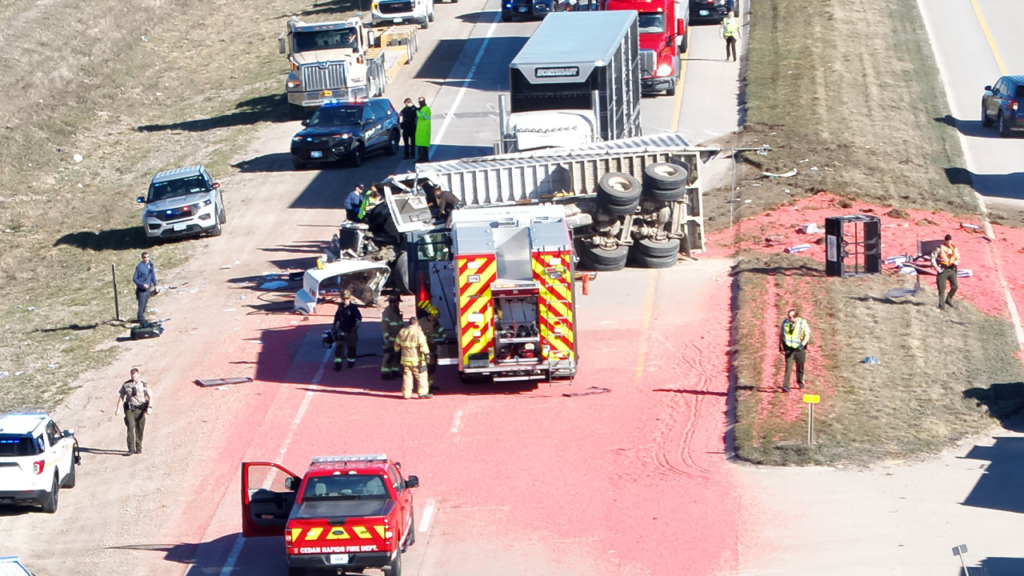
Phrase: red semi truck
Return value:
(664, 36)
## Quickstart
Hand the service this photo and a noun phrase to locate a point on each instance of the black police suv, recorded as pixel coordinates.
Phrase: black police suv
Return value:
(342, 129)
(1003, 104)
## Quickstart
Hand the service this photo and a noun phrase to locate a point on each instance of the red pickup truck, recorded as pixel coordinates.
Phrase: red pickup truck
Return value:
(347, 513)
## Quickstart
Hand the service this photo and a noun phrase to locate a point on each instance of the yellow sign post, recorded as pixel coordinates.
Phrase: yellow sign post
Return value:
(811, 400)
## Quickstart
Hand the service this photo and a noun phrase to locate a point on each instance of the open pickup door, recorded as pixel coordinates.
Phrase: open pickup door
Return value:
(268, 494)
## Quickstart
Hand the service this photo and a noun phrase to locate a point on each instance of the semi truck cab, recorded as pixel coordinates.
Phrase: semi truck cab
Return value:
(663, 26)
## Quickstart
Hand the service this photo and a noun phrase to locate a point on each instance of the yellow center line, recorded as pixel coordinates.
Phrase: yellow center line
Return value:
(988, 36)
(679, 86)
(645, 323)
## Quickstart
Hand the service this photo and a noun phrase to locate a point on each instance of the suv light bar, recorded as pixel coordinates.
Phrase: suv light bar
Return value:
(352, 458)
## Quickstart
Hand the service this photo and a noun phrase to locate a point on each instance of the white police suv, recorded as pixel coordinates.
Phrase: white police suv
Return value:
(37, 459)
(12, 566)
(183, 202)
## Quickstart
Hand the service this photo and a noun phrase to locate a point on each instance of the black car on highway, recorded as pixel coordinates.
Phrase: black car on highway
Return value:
(710, 10)
(1003, 104)
(347, 130)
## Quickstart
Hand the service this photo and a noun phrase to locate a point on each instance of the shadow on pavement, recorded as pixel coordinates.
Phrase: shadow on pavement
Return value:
(972, 128)
(999, 567)
(338, 8)
(270, 108)
(999, 487)
(442, 152)
(133, 238)
(273, 162)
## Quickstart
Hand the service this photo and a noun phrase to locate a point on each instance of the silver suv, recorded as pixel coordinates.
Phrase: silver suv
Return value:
(183, 202)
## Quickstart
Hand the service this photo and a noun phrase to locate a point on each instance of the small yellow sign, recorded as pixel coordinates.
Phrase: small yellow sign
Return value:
(812, 399)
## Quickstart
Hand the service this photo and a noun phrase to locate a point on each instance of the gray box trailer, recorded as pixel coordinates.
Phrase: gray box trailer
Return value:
(582, 61)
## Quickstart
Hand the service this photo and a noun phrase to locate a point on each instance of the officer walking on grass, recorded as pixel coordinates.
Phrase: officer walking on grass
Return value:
(412, 344)
(347, 320)
(134, 397)
(390, 326)
(145, 285)
(793, 340)
(945, 260)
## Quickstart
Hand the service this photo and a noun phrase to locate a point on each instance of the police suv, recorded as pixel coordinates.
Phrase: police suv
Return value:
(183, 202)
(37, 459)
(347, 129)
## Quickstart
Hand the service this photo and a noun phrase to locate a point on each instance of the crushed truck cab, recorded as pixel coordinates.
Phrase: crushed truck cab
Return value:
(347, 513)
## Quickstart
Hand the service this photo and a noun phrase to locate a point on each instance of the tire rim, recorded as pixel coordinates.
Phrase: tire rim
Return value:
(619, 183)
(667, 170)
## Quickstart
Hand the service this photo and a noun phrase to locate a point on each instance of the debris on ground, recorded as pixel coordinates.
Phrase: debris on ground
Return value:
(789, 174)
(273, 285)
(898, 213)
(208, 382)
(588, 392)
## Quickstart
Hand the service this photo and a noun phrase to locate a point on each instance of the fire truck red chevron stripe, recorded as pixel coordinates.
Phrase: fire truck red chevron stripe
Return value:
(553, 271)
(476, 307)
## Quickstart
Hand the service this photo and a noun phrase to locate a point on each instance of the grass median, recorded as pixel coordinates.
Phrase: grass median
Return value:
(103, 95)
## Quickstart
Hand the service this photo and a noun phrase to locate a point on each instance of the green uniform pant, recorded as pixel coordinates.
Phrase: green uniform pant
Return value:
(135, 420)
(949, 274)
(391, 365)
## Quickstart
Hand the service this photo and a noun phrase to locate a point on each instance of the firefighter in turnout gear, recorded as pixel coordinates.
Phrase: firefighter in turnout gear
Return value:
(435, 334)
(412, 345)
(793, 339)
(346, 330)
(390, 326)
(945, 259)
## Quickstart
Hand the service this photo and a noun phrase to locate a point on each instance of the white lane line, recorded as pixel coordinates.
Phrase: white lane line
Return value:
(465, 84)
(457, 422)
(428, 515)
(236, 548)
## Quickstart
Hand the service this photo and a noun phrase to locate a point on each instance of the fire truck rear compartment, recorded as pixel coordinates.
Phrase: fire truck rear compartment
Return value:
(517, 334)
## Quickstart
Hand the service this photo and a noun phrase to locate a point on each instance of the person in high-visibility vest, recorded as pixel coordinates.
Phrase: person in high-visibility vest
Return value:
(793, 339)
(390, 326)
(412, 344)
(371, 199)
(730, 32)
(945, 259)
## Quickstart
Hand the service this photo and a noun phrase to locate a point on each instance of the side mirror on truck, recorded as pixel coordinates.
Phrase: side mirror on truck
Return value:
(140, 200)
(412, 482)
(292, 483)
(680, 27)
(281, 46)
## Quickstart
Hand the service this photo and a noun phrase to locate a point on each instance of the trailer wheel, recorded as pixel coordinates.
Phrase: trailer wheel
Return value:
(665, 176)
(644, 261)
(657, 249)
(602, 260)
(618, 188)
(669, 195)
(619, 210)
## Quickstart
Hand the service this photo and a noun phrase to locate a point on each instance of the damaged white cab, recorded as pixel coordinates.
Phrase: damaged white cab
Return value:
(364, 278)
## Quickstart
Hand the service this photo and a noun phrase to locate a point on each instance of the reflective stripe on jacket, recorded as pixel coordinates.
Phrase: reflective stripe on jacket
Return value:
(413, 345)
(390, 323)
(795, 334)
(946, 256)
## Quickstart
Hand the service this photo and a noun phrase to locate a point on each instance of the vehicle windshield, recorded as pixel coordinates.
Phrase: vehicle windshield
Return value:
(175, 188)
(325, 40)
(345, 487)
(336, 116)
(652, 23)
(12, 445)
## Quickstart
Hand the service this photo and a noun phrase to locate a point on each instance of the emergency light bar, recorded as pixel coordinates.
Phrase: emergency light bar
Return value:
(352, 458)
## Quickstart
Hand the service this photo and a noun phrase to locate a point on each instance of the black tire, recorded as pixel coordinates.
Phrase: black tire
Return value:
(671, 91)
(395, 568)
(69, 480)
(431, 15)
(619, 210)
(292, 571)
(506, 16)
(400, 274)
(685, 44)
(393, 143)
(412, 532)
(223, 215)
(655, 249)
(298, 165)
(985, 120)
(424, 25)
(669, 195)
(50, 504)
(618, 188)
(644, 261)
(217, 229)
(356, 156)
(1003, 130)
(665, 176)
(296, 112)
(601, 260)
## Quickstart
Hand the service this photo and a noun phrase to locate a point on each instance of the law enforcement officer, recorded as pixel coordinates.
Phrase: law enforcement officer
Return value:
(413, 346)
(731, 33)
(390, 326)
(793, 339)
(945, 260)
(347, 320)
(134, 397)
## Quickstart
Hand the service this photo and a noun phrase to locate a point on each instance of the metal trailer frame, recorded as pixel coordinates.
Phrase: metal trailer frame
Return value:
(567, 176)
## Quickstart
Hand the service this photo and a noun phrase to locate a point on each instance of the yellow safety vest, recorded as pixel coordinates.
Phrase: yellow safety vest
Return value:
(413, 345)
(793, 333)
(730, 26)
(947, 255)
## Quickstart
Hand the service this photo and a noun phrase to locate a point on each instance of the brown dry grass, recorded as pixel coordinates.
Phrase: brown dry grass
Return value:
(913, 403)
(134, 88)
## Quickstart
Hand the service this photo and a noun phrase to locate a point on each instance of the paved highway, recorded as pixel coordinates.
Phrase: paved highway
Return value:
(514, 480)
(975, 42)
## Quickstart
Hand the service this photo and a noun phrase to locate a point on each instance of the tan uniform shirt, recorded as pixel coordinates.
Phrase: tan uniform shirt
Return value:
(135, 394)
